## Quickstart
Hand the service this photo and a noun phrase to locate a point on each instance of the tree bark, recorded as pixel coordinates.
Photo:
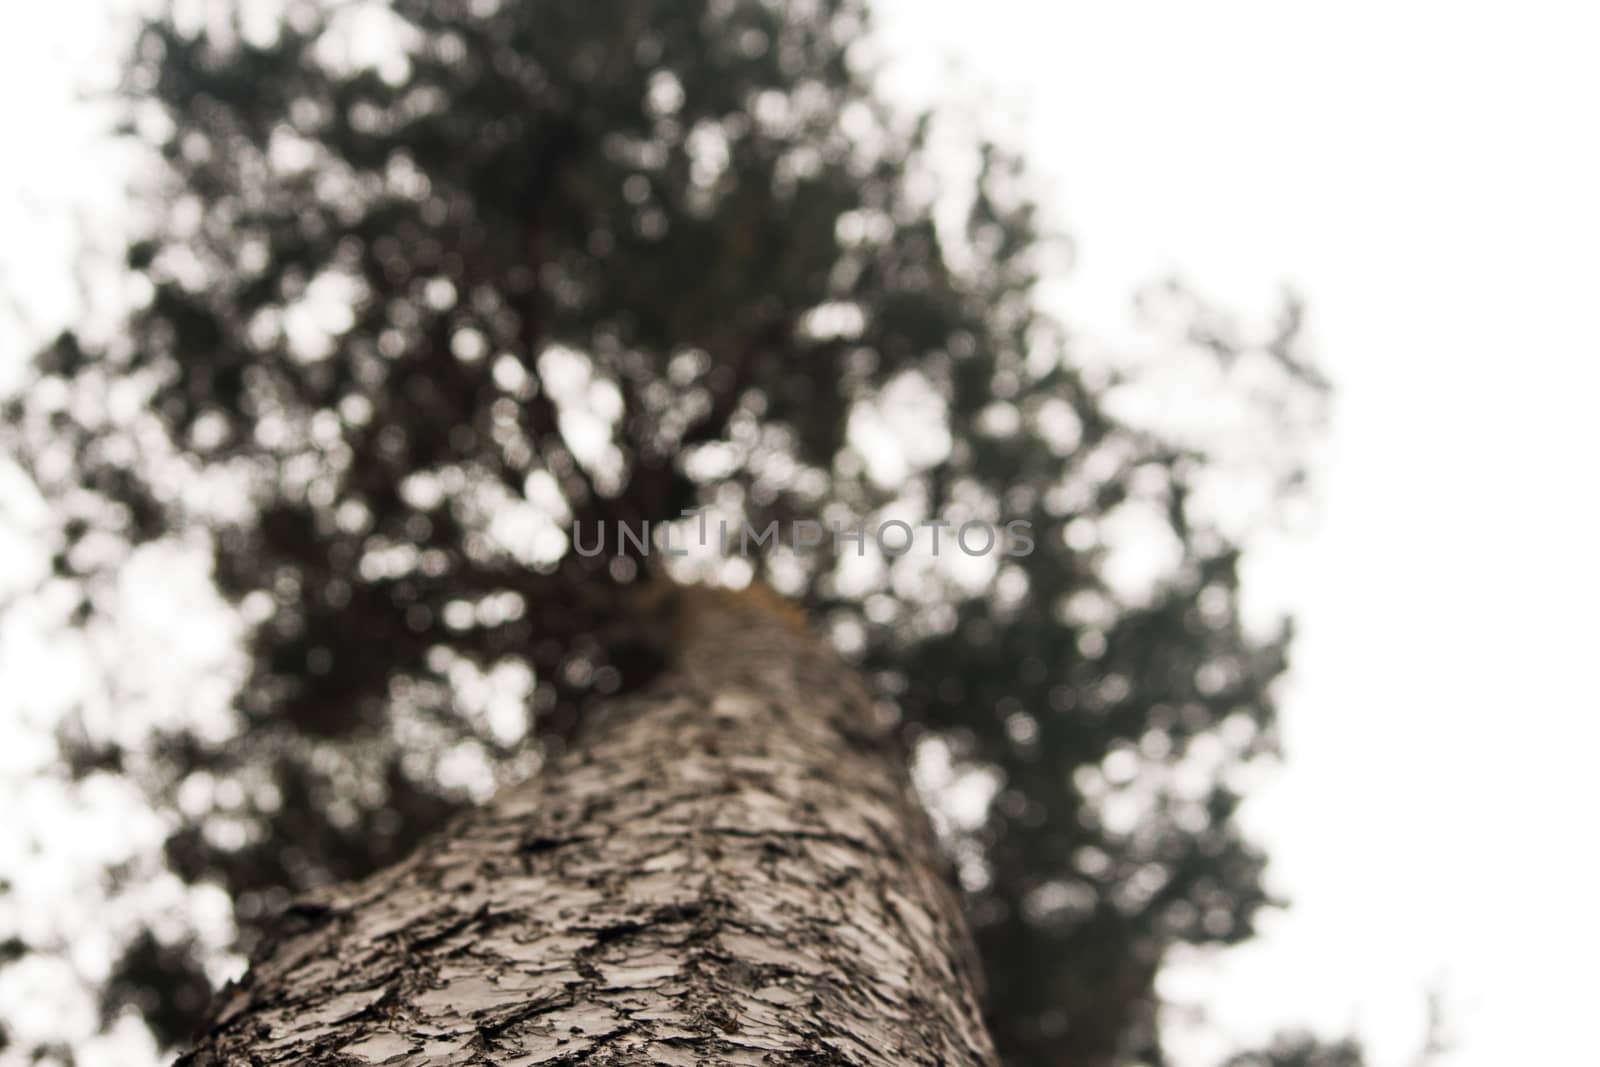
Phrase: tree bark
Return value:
(729, 867)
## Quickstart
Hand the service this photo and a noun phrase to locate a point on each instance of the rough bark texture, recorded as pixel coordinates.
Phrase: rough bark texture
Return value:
(729, 867)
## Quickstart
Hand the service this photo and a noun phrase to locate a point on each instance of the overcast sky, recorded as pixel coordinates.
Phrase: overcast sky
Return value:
(1428, 176)
(1425, 174)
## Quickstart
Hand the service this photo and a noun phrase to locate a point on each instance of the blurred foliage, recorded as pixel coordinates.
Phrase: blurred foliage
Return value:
(1301, 1050)
(421, 284)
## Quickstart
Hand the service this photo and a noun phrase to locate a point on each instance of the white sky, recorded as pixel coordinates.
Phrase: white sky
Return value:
(1426, 174)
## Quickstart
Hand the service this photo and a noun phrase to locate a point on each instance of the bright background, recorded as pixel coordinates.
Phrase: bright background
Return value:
(1427, 175)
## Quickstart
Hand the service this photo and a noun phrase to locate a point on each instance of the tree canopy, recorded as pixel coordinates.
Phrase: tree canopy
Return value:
(420, 285)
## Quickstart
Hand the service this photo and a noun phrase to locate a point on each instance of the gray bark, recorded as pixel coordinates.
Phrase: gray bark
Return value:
(728, 867)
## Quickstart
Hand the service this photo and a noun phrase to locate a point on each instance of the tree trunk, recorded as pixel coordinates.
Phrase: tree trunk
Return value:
(728, 867)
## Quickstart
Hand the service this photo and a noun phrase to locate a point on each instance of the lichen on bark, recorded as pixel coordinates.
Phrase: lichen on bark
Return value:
(729, 866)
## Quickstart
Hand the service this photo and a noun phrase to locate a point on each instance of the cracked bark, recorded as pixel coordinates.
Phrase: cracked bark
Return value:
(729, 867)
